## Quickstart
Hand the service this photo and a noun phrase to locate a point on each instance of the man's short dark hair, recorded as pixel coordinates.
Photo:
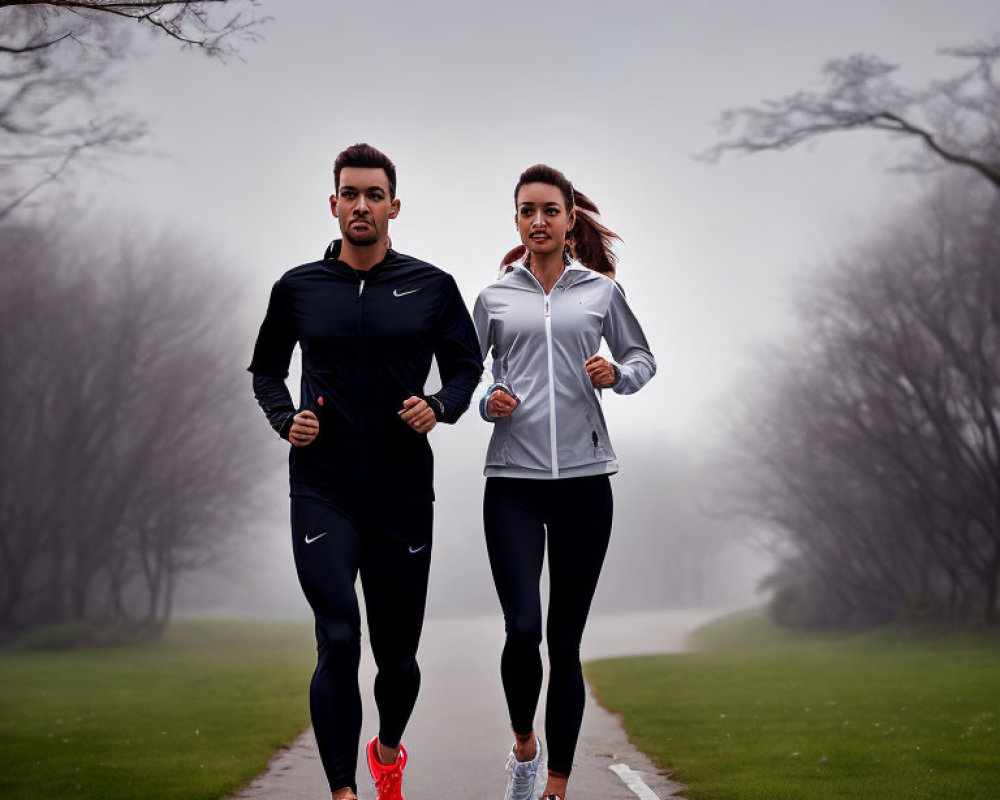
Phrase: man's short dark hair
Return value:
(364, 155)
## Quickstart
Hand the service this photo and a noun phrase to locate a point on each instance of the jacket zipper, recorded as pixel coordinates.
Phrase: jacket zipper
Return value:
(359, 407)
(553, 441)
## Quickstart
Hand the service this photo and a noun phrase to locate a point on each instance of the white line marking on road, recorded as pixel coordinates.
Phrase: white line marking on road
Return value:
(633, 781)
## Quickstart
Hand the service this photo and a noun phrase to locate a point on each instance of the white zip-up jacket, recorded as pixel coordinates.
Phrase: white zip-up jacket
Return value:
(539, 344)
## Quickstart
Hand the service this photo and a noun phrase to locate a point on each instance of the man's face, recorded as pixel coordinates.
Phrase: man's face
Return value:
(362, 205)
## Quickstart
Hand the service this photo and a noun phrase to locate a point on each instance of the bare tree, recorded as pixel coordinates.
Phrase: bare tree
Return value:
(191, 22)
(56, 60)
(956, 121)
(130, 462)
(874, 446)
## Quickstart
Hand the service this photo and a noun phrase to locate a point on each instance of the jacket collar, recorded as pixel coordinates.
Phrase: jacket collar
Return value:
(332, 257)
(574, 273)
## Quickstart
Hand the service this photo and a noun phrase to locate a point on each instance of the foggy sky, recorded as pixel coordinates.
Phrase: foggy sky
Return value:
(464, 95)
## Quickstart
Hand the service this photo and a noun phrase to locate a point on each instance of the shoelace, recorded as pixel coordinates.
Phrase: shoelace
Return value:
(388, 782)
(523, 780)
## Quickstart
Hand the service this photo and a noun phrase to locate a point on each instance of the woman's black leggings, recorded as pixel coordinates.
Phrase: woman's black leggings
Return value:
(391, 548)
(574, 516)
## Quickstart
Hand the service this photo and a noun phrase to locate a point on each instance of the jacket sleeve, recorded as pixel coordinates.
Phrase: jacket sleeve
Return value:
(457, 356)
(272, 354)
(628, 345)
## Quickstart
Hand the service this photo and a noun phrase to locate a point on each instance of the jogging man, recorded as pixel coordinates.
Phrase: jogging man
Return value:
(368, 320)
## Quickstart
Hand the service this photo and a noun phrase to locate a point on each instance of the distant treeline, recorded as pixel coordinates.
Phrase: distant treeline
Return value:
(126, 458)
(872, 445)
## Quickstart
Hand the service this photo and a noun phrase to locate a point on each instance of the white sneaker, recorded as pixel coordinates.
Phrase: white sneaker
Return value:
(527, 778)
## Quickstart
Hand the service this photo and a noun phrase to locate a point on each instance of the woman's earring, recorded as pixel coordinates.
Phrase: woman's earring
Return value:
(567, 257)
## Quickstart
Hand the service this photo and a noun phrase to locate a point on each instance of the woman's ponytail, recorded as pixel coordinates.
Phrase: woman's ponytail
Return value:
(590, 240)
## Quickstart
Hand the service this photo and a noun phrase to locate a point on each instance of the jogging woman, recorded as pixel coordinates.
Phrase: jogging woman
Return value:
(549, 460)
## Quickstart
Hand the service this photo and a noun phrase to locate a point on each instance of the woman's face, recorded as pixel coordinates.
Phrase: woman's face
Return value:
(541, 218)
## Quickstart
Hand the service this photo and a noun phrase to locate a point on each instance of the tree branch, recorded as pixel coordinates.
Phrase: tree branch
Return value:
(988, 170)
(33, 47)
(860, 95)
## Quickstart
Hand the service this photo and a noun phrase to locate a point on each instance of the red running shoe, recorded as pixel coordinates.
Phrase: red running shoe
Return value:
(388, 780)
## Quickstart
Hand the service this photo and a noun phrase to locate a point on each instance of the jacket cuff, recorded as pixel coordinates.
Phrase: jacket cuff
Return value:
(484, 401)
(437, 406)
(618, 374)
(285, 426)
(484, 411)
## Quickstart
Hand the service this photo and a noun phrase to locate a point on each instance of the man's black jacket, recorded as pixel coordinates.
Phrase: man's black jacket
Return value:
(367, 339)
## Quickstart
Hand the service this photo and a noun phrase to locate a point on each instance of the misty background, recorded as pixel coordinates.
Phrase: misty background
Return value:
(237, 167)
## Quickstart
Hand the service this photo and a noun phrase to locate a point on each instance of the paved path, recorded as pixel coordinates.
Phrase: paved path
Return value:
(457, 738)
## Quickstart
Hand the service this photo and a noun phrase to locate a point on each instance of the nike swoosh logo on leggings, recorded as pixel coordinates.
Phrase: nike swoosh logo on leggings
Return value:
(314, 538)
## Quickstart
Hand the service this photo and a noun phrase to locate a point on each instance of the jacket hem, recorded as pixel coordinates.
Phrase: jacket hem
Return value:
(598, 468)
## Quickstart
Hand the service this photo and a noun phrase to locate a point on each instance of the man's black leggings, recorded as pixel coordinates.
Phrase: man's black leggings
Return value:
(390, 546)
(574, 516)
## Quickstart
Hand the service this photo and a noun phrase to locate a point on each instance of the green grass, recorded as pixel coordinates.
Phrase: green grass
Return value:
(195, 715)
(758, 712)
